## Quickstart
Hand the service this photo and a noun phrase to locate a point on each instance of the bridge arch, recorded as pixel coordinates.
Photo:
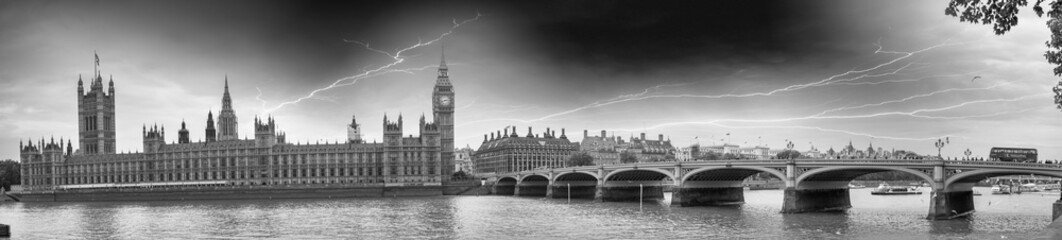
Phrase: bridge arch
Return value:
(505, 186)
(507, 179)
(848, 173)
(536, 177)
(613, 173)
(695, 172)
(576, 176)
(964, 181)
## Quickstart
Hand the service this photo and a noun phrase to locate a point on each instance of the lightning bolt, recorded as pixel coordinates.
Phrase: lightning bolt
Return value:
(913, 113)
(853, 133)
(821, 129)
(397, 58)
(909, 98)
(259, 98)
(837, 78)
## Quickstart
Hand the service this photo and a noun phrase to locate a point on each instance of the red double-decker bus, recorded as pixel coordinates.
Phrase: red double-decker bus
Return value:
(1012, 154)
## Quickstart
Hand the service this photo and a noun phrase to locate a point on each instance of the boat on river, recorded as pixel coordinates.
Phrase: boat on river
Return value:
(885, 189)
(1002, 189)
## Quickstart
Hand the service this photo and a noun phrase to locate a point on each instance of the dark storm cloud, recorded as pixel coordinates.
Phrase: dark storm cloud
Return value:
(643, 35)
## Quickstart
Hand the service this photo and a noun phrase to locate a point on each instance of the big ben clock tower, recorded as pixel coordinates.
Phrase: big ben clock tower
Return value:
(443, 108)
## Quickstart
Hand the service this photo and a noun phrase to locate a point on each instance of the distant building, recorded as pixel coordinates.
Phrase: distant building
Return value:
(723, 149)
(757, 152)
(507, 151)
(463, 159)
(684, 154)
(606, 150)
(813, 153)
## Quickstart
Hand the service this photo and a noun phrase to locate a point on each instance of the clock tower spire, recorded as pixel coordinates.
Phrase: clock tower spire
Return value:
(443, 110)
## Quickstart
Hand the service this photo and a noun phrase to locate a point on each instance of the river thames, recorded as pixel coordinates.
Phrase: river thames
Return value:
(504, 217)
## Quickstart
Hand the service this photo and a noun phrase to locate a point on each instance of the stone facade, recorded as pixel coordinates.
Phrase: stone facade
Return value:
(508, 152)
(606, 150)
(463, 160)
(220, 160)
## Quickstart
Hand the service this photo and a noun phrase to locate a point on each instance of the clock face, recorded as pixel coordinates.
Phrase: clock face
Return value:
(444, 100)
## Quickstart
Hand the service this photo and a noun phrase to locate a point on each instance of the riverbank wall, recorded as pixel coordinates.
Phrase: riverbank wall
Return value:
(247, 193)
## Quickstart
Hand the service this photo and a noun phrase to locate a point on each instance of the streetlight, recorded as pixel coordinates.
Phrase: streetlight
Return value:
(940, 144)
(967, 152)
(789, 149)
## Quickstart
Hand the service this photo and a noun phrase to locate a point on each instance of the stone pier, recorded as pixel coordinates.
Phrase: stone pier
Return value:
(948, 205)
(629, 193)
(815, 200)
(720, 196)
(530, 190)
(504, 189)
(561, 191)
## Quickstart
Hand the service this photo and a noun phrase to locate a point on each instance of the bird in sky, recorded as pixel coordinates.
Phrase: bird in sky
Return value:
(975, 78)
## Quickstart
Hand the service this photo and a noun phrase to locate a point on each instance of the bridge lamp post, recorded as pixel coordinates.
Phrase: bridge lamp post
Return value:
(940, 144)
(789, 150)
(967, 152)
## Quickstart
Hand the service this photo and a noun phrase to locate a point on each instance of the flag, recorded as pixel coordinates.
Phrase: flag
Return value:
(97, 59)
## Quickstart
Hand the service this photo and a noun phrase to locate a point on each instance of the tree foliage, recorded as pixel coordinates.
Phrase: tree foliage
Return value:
(461, 175)
(708, 156)
(1003, 14)
(788, 154)
(580, 159)
(628, 157)
(10, 174)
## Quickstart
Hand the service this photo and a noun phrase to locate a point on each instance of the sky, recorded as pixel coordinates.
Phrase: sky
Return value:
(823, 73)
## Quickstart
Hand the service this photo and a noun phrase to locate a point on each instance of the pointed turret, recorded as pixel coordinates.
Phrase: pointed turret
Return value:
(182, 135)
(110, 87)
(226, 99)
(227, 121)
(354, 130)
(443, 78)
(211, 133)
(442, 58)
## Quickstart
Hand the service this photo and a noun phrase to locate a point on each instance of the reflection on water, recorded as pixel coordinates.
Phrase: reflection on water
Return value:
(502, 217)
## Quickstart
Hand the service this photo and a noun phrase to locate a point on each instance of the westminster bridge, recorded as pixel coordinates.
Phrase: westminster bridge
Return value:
(811, 185)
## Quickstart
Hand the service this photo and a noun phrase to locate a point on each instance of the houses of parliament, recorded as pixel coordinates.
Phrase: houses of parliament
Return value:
(223, 159)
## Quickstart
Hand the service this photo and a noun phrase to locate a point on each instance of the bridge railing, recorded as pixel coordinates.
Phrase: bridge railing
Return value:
(784, 161)
(1010, 164)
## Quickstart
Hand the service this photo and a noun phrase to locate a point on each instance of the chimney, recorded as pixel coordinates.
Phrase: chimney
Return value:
(643, 137)
(586, 133)
(602, 133)
(661, 137)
